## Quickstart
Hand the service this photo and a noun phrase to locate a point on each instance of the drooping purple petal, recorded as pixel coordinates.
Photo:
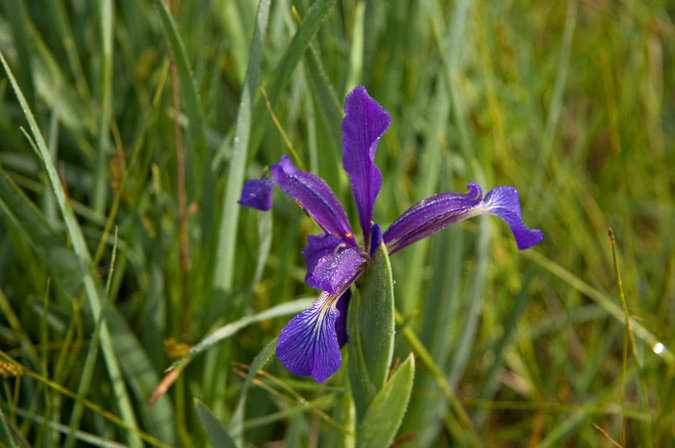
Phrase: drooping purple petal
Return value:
(308, 344)
(442, 210)
(257, 193)
(341, 322)
(315, 196)
(331, 264)
(505, 203)
(362, 127)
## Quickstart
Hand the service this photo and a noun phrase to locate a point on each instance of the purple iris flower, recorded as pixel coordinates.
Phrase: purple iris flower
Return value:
(310, 343)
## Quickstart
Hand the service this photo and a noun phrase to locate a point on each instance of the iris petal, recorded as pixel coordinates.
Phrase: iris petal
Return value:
(315, 196)
(341, 322)
(257, 193)
(442, 210)
(330, 263)
(308, 344)
(364, 124)
(505, 203)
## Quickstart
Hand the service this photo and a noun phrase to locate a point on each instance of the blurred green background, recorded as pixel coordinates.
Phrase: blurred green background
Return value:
(121, 244)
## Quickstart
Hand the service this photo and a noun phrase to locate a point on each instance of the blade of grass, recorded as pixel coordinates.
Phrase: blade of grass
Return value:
(221, 334)
(106, 20)
(227, 231)
(90, 361)
(491, 381)
(213, 428)
(49, 436)
(557, 97)
(90, 405)
(236, 428)
(83, 257)
(630, 339)
(476, 294)
(5, 434)
(16, 15)
(289, 60)
(291, 411)
(604, 302)
(450, 49)
(417, 256)
(187, 79)
(356, 49)
(425, 359)
(90, 439)
(226, 331)
(21, 213)
(329, 105)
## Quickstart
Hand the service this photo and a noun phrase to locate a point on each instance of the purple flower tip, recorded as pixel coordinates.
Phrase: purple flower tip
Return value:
(257, 193)
(341, 322)
(375, 238)
(505, 203)
(308, 344)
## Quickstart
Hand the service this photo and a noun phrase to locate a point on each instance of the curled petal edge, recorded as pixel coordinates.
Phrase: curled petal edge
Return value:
(257, 193)
(330, 262)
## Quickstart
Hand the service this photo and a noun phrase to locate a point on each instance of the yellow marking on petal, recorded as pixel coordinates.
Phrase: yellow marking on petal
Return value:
(338, 247)
(299, 202)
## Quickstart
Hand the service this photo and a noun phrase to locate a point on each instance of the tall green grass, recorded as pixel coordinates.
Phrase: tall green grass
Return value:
(570, 102)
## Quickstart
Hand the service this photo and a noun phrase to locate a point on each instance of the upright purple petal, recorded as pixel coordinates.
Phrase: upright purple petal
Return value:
(315, 196)
(442, 210)
(308, 344)
(362, 127)
(331, 264)
(257, 193)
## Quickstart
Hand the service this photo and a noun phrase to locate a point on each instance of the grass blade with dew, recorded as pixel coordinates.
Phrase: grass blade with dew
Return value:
(227, 232)
(90, 360)
(223, 333)
(106, 19)
(22, 214)
(93, 291)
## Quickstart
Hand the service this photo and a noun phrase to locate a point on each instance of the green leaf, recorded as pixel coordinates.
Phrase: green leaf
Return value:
(227, 232)
(326, 98)
(288, 61)
(371, 330)
(17, 210)
(214, 430)
(385, 413)
(188, 83)
(237, 422)
(94, 292)
(5, 435)
(228, 330)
